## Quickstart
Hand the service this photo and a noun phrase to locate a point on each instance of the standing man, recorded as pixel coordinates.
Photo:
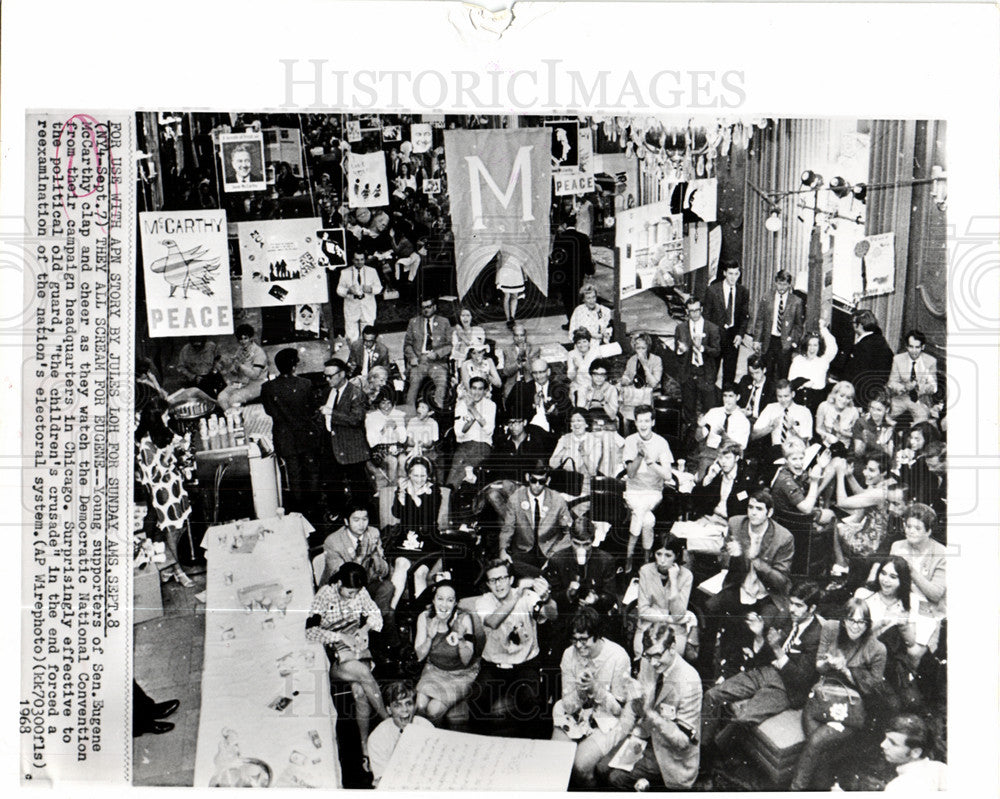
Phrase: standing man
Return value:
(345, 411)
(727, 306)
(297, 430)
(570, 261)
(426, 347)
(536, 522)
(366, 353)
(358, 285)
(475, 421)
(870, 360)
(697, 346)
(778, 327)
(913, 379)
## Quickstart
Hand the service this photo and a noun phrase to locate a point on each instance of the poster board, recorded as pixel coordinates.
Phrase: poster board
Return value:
(650, 240)
(280, 263)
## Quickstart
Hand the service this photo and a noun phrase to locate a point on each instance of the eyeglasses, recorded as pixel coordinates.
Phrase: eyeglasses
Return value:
(331, 376)
(582, 639)
(497, 580)
(857, 622)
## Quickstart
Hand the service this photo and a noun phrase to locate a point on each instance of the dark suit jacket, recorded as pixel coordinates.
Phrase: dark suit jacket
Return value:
(571, 257)
(792, 321)
(347, 426)
(767, 395)
(597, 575)
(776, 551)
(799, 673)
(715, 307)
(337, 551)
(288, 400)
(522, 397)
(868, 366)
(413, 341)
(357, 356)
(712, 344)
(705, 498)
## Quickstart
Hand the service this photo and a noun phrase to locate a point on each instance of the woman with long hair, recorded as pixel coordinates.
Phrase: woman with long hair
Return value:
(161, 460)
(341, 616)
(445, 639)
(816, 351)
(837, 415)
(851, 662)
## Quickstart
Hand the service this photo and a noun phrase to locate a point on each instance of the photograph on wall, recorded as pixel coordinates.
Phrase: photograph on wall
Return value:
(392, 133)
(432, 186)
(650, 241)
(332, 248)
(242, 157)
(565, 143)
(307, 319)
(577, 179)
(280, 263)
(352, 130)
(284, 146)
(185, 258)
(367, 185)
(421, 136)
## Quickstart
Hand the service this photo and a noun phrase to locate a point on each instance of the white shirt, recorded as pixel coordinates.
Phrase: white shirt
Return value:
(771, 417)
(482, 433)
(736, 426)
(919, 776)
(659, 451)
(815, 369)
(756, 394)
(697, 331)
(501, 646)
(382, 743)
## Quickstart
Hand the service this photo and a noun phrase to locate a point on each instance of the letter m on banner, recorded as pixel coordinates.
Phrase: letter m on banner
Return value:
(500, 190)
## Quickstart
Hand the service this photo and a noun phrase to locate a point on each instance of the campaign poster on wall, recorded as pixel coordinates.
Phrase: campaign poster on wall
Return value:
(185, 257)
(650, 241)
(242, 156)
(577, 179)
(421, 136)
(367, 185)
(332, 248)
(280, 263)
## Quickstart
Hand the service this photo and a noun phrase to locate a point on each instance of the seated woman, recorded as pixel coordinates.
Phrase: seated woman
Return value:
(341, 616)
(417, 505)
(478, 365)
(664, 592)
(594, 670)
(875, 430)
(580, 448)
(641, 378)
(588, 314)
(445, 639)
(911, 463)
(423, 434)
(837, 416)
(888, 597)
(926, 558)
(851, 654)
(579, 360)
(816, 351)
(862, 535)
(385, 428)
(598, 394)
(463, 335)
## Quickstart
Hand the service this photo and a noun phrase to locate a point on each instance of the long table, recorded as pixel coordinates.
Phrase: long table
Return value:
(267, 717)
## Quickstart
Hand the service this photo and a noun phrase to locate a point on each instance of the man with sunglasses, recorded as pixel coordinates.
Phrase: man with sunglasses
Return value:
(536, 522)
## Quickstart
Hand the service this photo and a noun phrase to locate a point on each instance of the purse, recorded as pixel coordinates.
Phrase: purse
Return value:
(832, 701)
(566, 481)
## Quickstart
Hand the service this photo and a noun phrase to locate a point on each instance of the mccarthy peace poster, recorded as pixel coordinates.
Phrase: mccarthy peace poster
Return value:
(500, 187)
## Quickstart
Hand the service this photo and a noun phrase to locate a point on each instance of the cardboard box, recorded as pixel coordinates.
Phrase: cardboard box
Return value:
(147, 600)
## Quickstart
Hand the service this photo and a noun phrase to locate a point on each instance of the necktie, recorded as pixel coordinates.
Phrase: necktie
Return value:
(538, 517)
(340, 393)
(781, 313)
(791, 638)
(357, 271)
(752, 402)
(913, 378)
(729, 306)
(725, 427)
(427, 336)
(786, 425)
(658, 687)
(368, 361)
(696, 359)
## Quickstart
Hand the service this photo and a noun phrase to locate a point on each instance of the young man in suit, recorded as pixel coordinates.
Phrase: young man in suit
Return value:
(426, 347)
(778, 326)
(758, 554)
(725, 489)
(727, 306)
(870, 359)
(582, 575)
(359, 284)
(757, 695)
(358, 542)
(536, 523)
(345, 410)
(698, 344)
(297, 430)
(913, 379)
(756, 389)
(367, 352)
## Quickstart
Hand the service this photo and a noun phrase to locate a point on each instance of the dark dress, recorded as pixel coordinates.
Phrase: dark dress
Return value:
(417, 525)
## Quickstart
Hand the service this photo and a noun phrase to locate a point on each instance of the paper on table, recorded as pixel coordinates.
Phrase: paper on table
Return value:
(432, 759)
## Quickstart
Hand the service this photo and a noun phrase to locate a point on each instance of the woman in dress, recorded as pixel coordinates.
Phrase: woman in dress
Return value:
(641, 378)
(341, 616)
(837, 416)
(578, 362)
(162, 458)
(463, 336)
(445, 639)
(416, 505)
(816, 351)
(478, 365)
(594, 672)
(385, 429)
(510, 283)
(888, 597)
(851, 654)
(664, 592)
(595, 318)
(582, 449)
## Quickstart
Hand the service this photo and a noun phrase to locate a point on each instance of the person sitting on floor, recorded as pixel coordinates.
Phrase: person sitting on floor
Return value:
(907, 746)
(400, 700)
(664, 592)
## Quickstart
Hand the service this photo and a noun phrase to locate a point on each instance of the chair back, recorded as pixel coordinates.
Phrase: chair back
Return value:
(318, 566)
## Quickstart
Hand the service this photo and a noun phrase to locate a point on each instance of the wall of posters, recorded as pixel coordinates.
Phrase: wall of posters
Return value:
(650, 241)
(185, 259)
(367, 185)
(242, 157)
(500, 186)
(280, 261)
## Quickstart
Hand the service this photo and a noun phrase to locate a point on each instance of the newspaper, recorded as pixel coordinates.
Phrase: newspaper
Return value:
(70, 228)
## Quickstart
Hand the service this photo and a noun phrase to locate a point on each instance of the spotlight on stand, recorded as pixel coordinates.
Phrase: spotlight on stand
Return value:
(812, 180)
(840, 187)
(860, 192)
(773, 223)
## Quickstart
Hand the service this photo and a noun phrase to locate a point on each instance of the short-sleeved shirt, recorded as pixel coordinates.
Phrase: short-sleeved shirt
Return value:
(516, 640)
(788, 490)
(645, 478)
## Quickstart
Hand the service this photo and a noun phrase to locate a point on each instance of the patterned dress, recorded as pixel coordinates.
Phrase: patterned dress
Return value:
(160, 473)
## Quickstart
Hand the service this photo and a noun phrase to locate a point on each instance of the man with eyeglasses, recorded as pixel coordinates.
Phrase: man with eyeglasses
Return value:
(698, 345)
(601, 393)
(536, 522)
(366, 353)
(475, 420)
(548, 402)
(508, 683)
(426, 347)
(345, 410)
(663, 711)
(515, 357)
